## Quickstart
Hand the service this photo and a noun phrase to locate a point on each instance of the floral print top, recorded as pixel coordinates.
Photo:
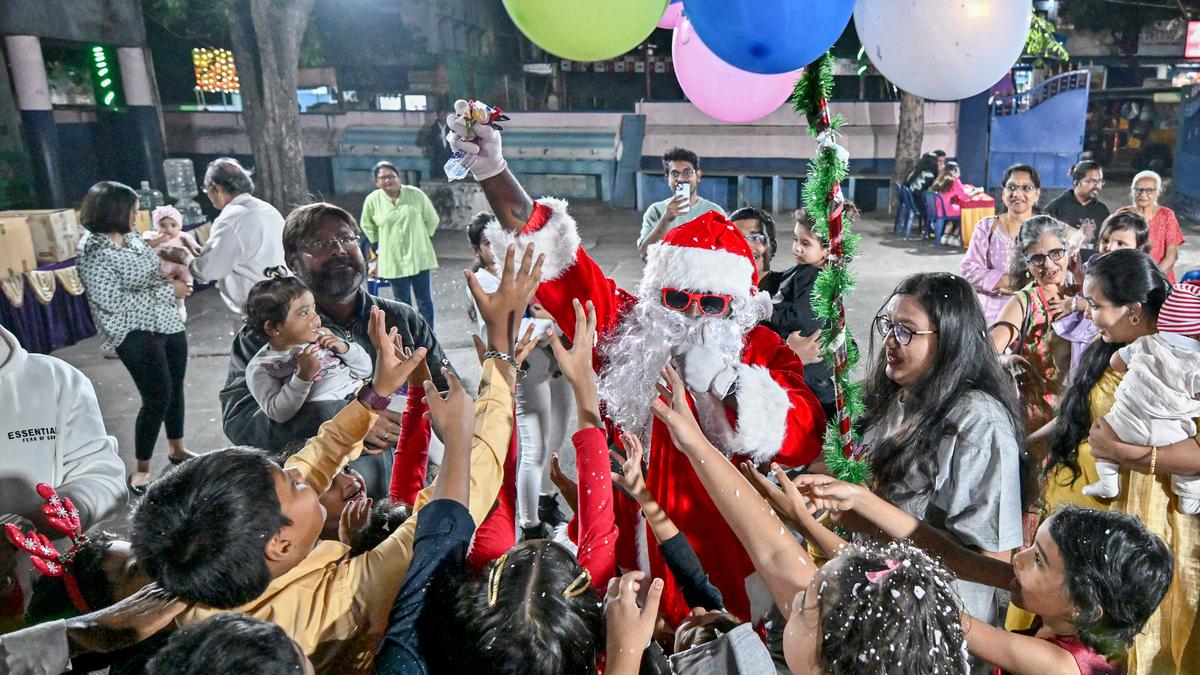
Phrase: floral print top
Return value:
(126, 289)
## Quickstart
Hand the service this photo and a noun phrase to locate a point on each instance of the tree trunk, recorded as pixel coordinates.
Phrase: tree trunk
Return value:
(266, 39)
(910, 134)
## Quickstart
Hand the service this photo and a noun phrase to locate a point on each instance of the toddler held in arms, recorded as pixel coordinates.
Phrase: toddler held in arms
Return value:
(168, 233)
(1156, 402)
(301, 361)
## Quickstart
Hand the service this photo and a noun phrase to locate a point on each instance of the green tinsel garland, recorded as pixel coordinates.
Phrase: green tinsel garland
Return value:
(826, 171)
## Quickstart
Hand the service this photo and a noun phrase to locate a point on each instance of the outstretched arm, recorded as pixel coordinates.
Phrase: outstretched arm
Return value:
(1016, 654)
(828, 492)
(783, 563)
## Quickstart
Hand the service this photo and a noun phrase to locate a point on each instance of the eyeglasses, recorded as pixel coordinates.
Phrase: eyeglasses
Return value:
(686, 173)
(902, 333)
(1040, 259)
(756, 238)
(1092, 181)
(1024, 188)
(1145, 191)
(343, 242)
(711, 304)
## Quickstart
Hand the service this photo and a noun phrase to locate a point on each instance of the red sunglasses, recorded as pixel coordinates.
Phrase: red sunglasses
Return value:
(711, 304)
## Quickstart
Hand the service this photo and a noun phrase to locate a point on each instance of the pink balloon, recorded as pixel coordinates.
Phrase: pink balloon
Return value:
(718, 89)
(671, 16)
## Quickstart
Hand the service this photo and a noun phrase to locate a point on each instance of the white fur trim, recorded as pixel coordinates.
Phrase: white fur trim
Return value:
(558, 240)
(762, 414)
(696, 269)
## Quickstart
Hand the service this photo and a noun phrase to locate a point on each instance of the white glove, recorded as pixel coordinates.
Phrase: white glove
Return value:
(704, 370)
(481, 140)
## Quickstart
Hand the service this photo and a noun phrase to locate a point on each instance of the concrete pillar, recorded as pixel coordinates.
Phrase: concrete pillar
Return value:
(37, 117)
(143, 127)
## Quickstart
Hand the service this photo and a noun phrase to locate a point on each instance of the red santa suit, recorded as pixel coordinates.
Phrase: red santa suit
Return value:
(777, 416)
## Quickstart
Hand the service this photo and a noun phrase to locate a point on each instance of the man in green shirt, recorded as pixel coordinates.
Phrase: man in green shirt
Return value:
(681, 167)
(399, 220)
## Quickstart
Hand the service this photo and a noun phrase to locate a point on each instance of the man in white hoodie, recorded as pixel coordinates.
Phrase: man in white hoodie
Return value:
(51, 432)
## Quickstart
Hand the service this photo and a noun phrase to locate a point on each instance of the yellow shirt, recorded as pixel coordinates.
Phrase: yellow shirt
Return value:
(336, 607)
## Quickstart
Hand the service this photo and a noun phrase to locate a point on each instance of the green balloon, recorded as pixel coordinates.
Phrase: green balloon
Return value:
(586, 30)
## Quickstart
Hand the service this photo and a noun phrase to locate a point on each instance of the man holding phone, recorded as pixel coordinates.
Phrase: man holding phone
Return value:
(682, 169)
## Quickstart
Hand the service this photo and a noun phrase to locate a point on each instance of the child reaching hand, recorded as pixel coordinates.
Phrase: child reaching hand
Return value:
(168, 233)
(301, 361)
(1156, 403)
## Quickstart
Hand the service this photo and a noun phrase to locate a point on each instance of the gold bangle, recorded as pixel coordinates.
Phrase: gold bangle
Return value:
(1153, 458)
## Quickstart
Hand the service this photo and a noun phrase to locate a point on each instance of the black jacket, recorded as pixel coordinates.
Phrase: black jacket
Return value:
(794, 312)
(244, 421)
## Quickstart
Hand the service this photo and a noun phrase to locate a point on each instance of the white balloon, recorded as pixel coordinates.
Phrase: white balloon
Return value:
(944, 50)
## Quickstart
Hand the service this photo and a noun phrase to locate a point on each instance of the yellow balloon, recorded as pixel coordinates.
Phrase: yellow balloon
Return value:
(586, 30)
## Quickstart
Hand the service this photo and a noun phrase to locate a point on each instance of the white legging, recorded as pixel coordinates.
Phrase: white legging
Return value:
(543, 407)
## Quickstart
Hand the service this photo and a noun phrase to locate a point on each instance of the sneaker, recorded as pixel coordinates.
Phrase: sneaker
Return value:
(549, 511)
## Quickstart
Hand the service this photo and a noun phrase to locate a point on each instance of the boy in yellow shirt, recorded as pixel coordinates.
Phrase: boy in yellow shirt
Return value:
(232, 530)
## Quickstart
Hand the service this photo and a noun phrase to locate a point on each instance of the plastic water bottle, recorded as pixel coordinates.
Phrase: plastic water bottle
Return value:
(459, 165)
(149, 198)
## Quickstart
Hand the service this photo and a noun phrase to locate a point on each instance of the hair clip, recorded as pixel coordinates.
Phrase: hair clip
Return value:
(494, 580)
(579, 585)
(878, 576)
(64, 517)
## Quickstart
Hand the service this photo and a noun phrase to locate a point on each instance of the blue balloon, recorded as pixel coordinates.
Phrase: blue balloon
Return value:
(769, 37)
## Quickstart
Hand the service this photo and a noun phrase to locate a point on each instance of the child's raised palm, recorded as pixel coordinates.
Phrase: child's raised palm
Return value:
(393, 362)
(576, 362)
(631, 477)
(675, 411)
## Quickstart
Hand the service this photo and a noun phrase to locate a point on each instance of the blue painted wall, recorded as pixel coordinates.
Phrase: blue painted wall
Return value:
(1048, 136)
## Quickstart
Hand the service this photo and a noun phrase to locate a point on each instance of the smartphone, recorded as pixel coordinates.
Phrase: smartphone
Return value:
(684, 190)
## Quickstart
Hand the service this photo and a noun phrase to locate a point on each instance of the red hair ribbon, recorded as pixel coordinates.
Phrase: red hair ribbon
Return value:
(878, 576)
(64, 517)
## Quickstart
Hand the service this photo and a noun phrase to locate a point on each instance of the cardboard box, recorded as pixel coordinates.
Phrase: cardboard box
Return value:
(17, 254)
(55, 232)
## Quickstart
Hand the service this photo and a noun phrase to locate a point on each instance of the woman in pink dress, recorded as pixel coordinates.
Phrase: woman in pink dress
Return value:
(994, 242)
(1165, 234)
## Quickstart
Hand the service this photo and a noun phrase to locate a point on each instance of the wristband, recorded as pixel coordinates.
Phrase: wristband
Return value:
(1153, 458)
(507, 358)
(371, 398)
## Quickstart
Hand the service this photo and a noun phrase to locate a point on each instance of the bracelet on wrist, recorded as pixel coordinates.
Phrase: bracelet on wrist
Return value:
(507, 358)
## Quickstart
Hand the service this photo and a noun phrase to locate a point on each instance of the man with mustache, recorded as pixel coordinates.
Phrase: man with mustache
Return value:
(697, 308)
(320, 245)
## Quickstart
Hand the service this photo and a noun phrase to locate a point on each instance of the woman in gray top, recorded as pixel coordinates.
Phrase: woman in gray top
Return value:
(942, 424)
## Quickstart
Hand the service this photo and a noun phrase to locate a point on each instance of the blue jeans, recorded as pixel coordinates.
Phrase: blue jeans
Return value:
(418, 284)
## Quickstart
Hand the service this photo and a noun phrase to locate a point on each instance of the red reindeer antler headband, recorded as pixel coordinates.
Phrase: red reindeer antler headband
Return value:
(64, 517)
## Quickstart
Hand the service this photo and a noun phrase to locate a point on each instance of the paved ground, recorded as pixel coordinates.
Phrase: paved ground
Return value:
(609, 234)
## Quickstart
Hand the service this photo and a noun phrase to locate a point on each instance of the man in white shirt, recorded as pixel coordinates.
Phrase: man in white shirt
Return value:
(246, 238)
(682, 167)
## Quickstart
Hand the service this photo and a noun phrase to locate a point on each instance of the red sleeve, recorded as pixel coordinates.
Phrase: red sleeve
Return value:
(412, 450)
(778, 417)
(583, 281)
(1174, 232)
(598, 526)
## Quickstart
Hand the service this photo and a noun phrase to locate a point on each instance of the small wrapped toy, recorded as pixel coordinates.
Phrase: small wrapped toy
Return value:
(471, 112)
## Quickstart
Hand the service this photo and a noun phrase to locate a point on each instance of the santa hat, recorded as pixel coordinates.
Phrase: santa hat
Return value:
(1180, 313)
(706, 255)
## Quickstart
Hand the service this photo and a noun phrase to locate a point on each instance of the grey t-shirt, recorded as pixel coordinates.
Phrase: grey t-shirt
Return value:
(657, 209)
(976, 494)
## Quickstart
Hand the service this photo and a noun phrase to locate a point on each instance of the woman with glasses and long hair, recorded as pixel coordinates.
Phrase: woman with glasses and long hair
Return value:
(1165, 234)
(995, 240)
(943, 426)
(1043, 292)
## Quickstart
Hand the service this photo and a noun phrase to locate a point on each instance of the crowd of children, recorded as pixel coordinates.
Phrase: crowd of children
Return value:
(242, 561)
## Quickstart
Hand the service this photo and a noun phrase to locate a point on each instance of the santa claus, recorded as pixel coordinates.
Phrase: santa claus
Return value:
(698, 308)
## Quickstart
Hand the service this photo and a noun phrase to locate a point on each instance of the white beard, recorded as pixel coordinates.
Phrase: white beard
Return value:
(641, 345)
